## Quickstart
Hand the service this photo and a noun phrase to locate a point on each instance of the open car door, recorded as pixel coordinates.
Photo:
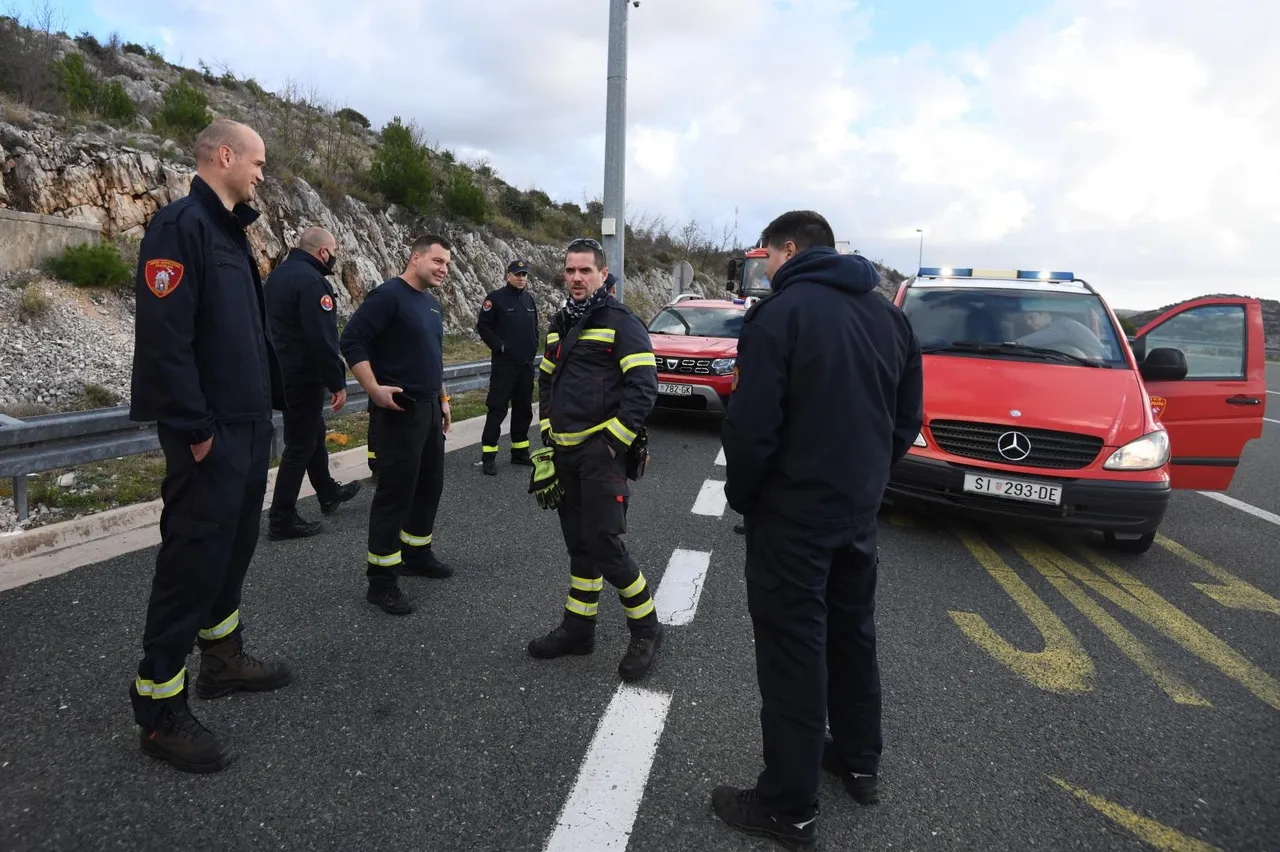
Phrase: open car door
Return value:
(1218, 406)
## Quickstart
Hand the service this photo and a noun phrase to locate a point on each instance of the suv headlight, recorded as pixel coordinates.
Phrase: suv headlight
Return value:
(919, 441)
(723, 366)
(1148, 452)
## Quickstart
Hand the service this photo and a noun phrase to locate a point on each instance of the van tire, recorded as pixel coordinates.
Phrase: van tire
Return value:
(1141, 544)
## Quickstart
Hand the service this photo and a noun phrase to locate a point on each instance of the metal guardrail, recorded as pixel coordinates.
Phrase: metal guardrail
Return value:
(54, 441)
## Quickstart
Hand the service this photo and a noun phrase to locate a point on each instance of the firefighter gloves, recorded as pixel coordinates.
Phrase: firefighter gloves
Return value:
(543, 482)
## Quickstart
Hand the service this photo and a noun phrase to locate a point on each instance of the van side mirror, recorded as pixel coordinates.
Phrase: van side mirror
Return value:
(1165, 364)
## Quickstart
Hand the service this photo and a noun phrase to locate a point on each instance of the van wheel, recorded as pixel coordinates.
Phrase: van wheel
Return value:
(1141, 544)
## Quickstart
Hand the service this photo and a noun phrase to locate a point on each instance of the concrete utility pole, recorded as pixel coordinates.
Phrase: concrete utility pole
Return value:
(614, 229)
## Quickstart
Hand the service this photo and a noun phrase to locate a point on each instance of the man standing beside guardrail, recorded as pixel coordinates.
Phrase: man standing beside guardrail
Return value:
(205, 371)
(300, 307)
(394, 343)
(508, 324)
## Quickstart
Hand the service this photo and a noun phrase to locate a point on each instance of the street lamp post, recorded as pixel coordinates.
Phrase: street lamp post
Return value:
(920, 261)
(613, 229)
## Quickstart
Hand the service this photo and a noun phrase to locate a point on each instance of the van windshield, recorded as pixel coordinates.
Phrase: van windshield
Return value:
(1002, 322)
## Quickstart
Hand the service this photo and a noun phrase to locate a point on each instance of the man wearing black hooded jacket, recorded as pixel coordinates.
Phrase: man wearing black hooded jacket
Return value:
(827, 397)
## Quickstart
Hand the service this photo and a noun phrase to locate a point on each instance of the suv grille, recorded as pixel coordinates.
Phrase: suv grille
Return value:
(689, 366)
(1063, 450)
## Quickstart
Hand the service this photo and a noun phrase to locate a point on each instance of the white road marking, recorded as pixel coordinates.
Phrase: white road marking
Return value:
(1274, 393)
(1243, 507)
(1269, 420)
(677, 597)
(720, 458)
(601, 810)
(711, 500)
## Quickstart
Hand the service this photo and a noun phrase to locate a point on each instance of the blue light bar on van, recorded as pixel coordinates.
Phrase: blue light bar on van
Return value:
(1010, 274)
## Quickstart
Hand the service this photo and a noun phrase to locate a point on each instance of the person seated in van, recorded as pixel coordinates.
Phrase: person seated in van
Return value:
(1062, 333)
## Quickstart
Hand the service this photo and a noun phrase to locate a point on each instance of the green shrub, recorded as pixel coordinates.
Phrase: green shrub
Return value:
(463, 198)
(34, 302)
(114, 103)
(350, 115)
(77, 83)
(399, 170)
(185, 110)
(91, 266)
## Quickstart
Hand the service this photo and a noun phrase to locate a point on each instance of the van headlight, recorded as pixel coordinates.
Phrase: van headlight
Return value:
(723, 366)
(1148, 452)
(919, 441)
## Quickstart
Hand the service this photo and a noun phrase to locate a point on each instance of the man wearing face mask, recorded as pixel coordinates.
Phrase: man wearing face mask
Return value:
(304, 327)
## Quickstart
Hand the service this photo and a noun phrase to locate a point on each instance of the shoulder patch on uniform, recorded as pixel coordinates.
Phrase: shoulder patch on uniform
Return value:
(162, 276)
(487, 305)
(734, 387)
(326, 302)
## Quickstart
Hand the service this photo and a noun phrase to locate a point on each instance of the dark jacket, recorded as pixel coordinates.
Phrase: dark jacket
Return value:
(304, 325)
(598, 375)
(828, 394)
(508, 324)
(201, 350)
(400, 331)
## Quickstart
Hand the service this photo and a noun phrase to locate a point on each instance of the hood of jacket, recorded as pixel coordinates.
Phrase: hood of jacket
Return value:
(852, 273)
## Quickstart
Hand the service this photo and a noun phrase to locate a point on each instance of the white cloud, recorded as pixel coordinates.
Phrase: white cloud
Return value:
(1132, 141)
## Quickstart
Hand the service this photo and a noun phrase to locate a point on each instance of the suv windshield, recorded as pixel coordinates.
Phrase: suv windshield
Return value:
(698, 322)
(1053, 326)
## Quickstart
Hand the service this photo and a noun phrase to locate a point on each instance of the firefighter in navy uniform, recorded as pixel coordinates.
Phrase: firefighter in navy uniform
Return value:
(205, 371)
(508, 324)
(597, 385)
(394, 344)
(300, 307)
(827, 397)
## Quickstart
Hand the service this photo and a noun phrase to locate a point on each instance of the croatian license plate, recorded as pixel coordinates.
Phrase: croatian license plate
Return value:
(675, 390)
(1013, 489)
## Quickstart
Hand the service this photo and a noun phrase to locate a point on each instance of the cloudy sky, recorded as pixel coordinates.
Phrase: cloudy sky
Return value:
(1134, 142)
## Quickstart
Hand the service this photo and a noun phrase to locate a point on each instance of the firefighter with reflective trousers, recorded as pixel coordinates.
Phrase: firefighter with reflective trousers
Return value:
(597, 383)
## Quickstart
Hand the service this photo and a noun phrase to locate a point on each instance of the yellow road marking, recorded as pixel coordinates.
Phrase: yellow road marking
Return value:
(1127, 591)
(1063, 666)
(1148, 830)
(1234, 592)
(1047, 562)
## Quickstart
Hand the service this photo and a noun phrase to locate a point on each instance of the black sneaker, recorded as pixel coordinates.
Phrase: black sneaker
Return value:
(342, 495)
(184, 743)
(390, 598)
(742, 810)
(560, 642)
(864, 788)
(639, 657)
(421, 562)
(298, 528)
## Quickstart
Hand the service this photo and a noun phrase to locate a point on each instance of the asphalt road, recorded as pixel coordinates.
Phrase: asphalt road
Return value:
(1039, 693)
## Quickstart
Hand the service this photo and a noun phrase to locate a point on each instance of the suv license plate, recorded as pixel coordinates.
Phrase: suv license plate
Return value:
(675, 390)
(1014, 489)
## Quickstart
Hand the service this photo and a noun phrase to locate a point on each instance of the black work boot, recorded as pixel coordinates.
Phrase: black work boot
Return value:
(742, 810)
(562, 641)
(421, 562)
(295, 528)
(390, 599)
(864, 788)
(640, 653)
(521, 458)
(342, 495)
(226, 668)
(489, 464)
(182, 741)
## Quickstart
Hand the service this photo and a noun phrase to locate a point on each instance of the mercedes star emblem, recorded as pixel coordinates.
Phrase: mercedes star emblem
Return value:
(1014, 446)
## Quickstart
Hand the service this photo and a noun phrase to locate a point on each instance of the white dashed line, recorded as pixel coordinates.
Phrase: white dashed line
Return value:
(681, 587)
(720, 458)
(601, 811)
(1269, 420)
(711, 500)
(1243, 507)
